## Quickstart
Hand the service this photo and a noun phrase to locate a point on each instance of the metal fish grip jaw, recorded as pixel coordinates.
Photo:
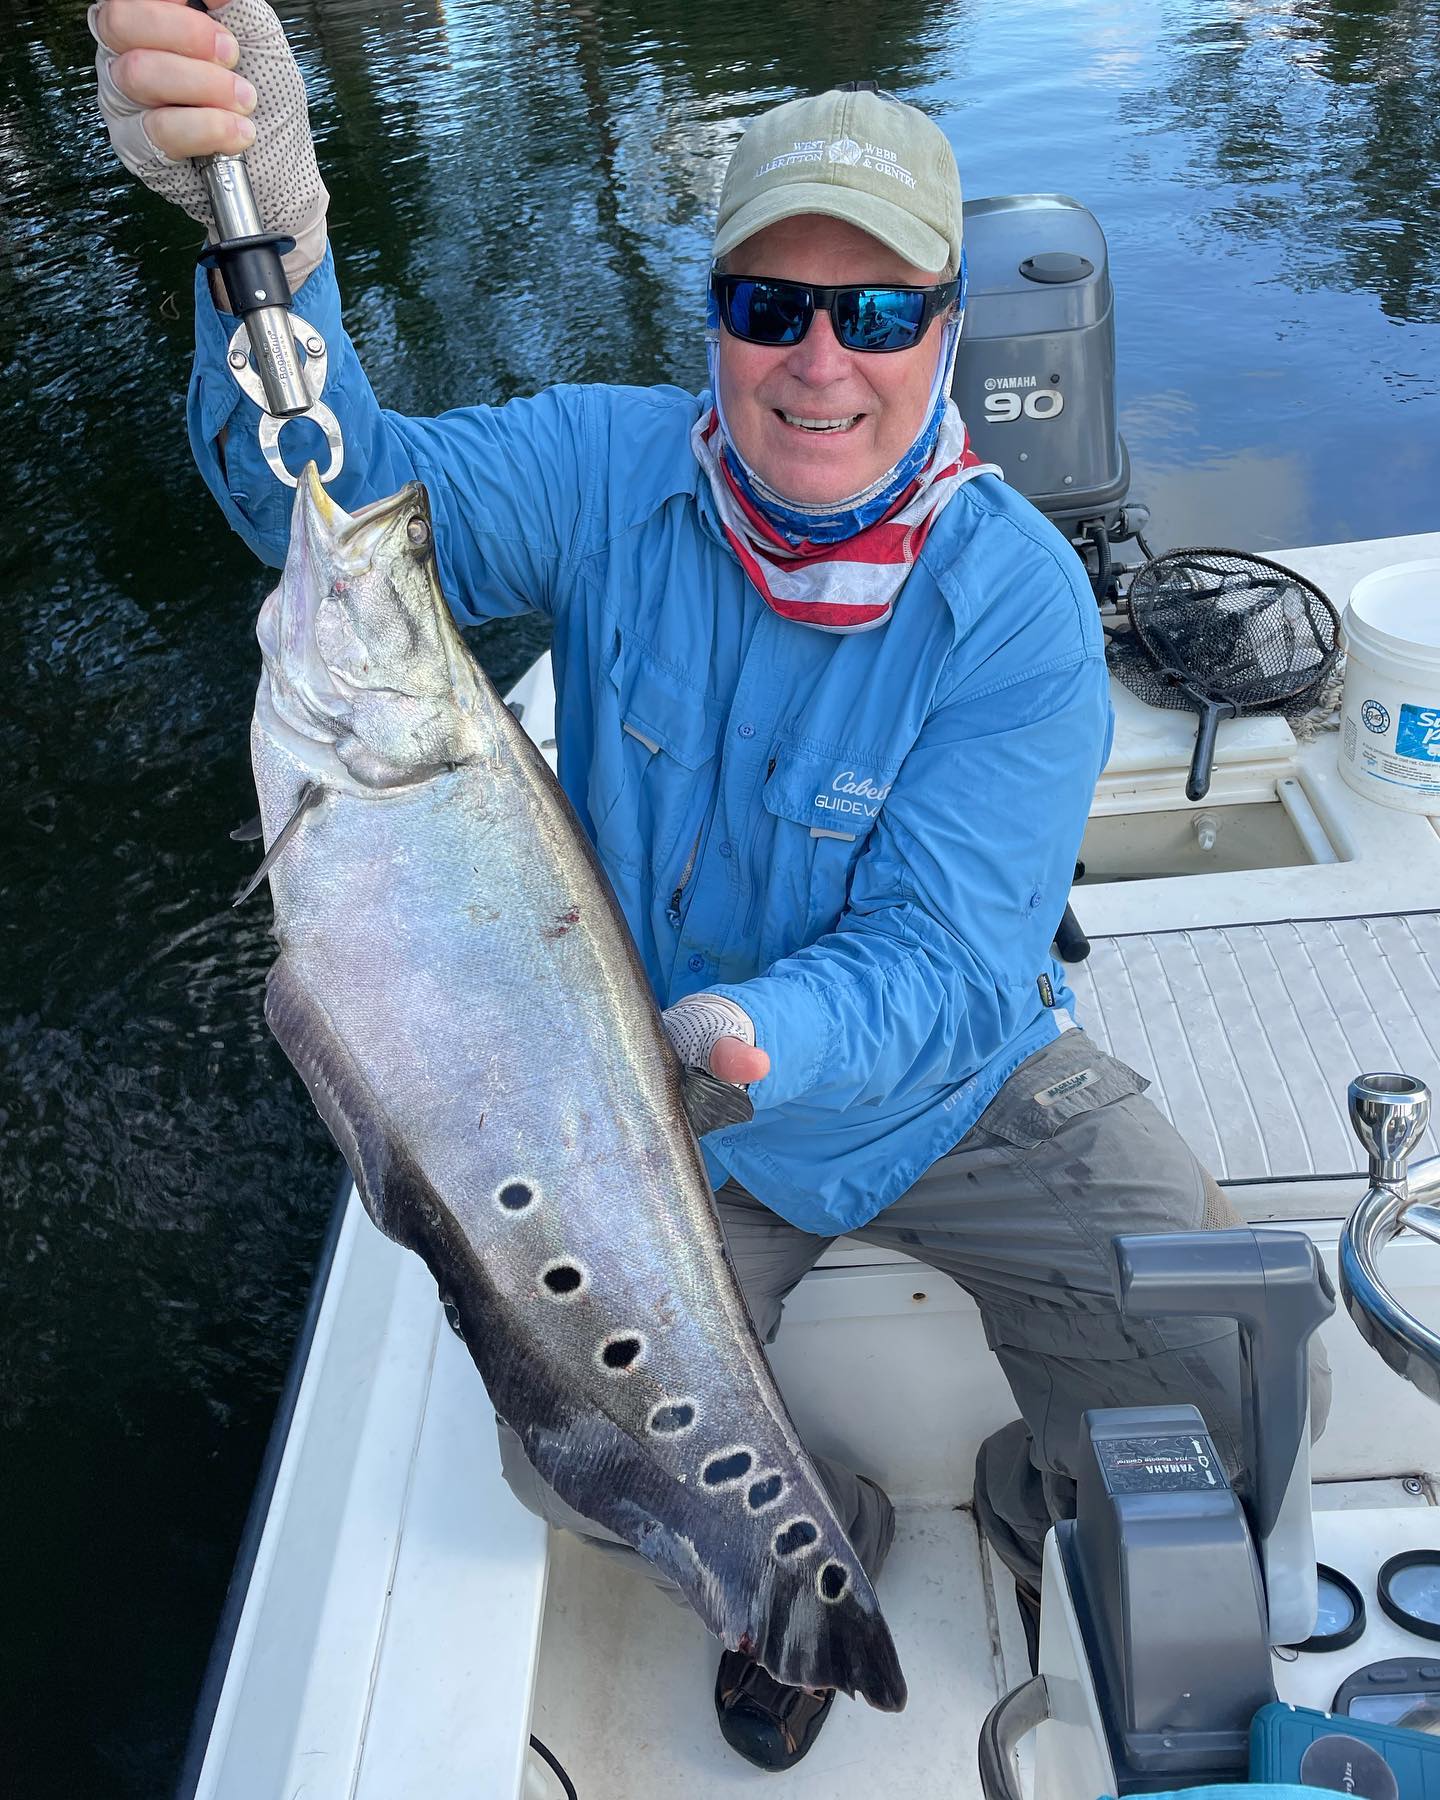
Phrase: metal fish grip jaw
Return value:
(1222, 633)
(264, 353)
(1389, 1113)
(312, 378)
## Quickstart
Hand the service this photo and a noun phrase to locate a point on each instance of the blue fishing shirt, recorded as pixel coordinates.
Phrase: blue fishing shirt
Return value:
(866, 840)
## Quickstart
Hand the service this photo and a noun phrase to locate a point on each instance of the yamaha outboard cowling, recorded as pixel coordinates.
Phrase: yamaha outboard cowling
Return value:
(1035, 374)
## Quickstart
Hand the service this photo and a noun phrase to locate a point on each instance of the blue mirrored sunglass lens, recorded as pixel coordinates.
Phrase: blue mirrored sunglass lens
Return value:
(766, 314)
(879, 318)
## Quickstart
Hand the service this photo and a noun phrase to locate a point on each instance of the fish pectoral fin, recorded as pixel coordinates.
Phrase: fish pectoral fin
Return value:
(310, 795)
(710, 1103)
(250, 832)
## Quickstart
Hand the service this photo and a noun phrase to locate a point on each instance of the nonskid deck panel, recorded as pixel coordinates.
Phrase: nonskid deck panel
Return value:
(1250, 1034)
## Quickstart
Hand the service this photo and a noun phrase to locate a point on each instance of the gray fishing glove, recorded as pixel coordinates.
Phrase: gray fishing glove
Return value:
(696, 1024)
(283, 172)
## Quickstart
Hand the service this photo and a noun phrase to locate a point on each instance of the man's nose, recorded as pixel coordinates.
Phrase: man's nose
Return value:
(819, 358)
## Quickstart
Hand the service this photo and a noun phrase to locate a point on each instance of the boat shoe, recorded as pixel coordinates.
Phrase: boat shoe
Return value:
(767, 1723)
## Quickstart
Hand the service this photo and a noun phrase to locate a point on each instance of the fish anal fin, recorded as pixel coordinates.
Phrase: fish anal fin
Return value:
(395, 1190)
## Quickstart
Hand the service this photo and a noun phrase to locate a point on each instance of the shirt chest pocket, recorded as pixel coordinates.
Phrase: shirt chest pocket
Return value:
(653, 771)
(820, 810)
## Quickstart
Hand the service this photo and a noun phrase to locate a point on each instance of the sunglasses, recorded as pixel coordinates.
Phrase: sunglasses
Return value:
(777, 313)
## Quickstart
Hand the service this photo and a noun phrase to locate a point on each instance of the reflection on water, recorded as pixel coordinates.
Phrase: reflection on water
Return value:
(523, 191)
(1319, 119)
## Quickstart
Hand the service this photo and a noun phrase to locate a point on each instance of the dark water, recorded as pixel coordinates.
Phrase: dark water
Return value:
(522, 194)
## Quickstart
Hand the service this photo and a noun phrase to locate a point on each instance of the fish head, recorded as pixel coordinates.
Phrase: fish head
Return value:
(361, 653)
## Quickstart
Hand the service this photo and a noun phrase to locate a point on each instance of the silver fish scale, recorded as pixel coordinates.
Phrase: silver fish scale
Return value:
(484, 1099)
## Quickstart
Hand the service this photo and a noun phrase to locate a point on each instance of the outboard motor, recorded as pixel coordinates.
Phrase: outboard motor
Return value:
(1035, 373)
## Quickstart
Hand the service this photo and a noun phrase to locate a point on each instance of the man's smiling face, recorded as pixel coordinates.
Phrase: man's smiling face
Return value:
(775, 399)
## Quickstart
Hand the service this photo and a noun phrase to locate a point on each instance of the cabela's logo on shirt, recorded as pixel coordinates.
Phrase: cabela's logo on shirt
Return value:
(852, 793)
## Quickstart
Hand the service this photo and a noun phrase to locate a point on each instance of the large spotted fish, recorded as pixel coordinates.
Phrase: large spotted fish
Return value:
(458, 991)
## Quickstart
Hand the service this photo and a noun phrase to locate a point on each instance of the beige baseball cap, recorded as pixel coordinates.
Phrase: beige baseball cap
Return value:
(864, 157)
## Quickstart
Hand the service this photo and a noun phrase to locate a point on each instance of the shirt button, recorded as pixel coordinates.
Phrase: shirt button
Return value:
(727, 849)
(697, 963)
(747, 731)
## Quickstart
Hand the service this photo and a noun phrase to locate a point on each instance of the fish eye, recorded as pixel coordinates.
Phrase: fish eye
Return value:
(418, 531)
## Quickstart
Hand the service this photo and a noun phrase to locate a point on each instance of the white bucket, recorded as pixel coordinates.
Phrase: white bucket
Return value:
(1390, 716)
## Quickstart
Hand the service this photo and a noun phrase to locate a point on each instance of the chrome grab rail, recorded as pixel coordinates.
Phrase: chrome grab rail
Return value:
(1012, 1717)
(1389, 1113)
(1424, 1181)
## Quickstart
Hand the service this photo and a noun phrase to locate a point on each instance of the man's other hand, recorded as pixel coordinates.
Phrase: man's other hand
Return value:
(711, 1032)
(733, 1059)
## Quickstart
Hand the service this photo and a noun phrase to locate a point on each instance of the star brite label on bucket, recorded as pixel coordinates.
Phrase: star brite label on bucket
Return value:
(1418, 733)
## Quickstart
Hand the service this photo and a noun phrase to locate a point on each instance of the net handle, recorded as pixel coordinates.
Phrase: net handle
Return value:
(1202, 763)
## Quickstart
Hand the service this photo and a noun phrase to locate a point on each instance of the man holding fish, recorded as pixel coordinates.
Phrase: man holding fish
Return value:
(831, 705)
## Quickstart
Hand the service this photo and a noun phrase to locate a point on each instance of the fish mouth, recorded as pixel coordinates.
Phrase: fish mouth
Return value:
(327, 546)
(328, 523)
(319, 505)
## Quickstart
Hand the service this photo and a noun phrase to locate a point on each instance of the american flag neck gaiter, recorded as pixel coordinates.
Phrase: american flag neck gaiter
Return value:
(852, 582)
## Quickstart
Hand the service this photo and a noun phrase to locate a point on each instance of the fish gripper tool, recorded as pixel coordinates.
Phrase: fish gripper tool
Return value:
(264, 353)
(265, 348)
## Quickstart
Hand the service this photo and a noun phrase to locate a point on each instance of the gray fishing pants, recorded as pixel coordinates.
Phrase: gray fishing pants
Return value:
(1021, 1213)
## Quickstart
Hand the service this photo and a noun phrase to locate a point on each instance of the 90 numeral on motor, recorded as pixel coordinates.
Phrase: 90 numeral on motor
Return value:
(1044, 403)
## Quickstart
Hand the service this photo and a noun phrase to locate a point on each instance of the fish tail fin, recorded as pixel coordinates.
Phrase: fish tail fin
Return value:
(773, 1576)
(805, 1639)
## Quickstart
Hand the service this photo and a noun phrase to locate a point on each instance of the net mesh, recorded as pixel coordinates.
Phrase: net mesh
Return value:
(1239, 629)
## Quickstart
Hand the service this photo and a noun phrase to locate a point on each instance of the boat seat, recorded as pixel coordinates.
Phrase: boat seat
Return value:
(1251, 1034)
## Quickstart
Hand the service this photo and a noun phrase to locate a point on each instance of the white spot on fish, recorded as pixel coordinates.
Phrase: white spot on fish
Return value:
(832, 1582)
(672, 1418)
(798, 1534)
(766, 1490)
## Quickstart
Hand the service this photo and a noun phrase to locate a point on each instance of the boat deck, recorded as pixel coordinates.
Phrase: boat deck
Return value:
(407, 1625)
(637, 1724)
(642, 1715)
